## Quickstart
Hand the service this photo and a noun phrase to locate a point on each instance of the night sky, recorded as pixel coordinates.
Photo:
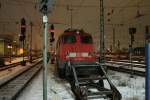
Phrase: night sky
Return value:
(119, 16)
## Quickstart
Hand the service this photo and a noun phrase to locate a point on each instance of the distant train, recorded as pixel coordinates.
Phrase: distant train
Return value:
(139, 51)
(75, 46)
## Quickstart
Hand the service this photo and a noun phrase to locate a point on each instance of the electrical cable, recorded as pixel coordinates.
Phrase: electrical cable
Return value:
(129, 20)
(9, 21)
(121, 8)
(24, 9)
(24, 2)
(97, 6)
(81, 3)
(76, 12)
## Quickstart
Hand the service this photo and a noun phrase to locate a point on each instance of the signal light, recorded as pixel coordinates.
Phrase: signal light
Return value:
(132, 30)
(52, 27)
(23, 26)
(22, 38)
(45, 6)
(146, 29)
(132, 38)
(52, 39)
(23, 29)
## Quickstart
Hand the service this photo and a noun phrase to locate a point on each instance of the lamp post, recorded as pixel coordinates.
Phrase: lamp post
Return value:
(31, 24)
(22, 37)
(132, 31)
(9, 47)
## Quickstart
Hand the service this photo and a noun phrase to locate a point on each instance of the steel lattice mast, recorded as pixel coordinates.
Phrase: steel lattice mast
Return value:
(102, 45)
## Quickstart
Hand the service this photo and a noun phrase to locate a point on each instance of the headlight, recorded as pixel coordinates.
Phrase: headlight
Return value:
(71, 54)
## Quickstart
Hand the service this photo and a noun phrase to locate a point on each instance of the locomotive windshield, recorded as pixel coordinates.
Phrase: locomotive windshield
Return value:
(69, 39)
(86, 39)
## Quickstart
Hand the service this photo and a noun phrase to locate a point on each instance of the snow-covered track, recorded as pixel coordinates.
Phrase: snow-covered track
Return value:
(126, 67)
(11, 88)
(6, 67)
(9, 66)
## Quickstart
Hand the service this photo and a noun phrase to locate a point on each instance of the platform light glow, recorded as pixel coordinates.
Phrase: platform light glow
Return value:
(21, 51)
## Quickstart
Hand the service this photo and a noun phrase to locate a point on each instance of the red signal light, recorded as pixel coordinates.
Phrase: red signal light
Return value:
(52, 31)
(23, 29)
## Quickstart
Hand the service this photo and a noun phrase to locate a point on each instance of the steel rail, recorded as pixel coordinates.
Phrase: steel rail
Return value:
(10, 89)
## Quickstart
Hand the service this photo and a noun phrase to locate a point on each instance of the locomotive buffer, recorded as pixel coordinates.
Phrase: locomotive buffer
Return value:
(87, 82)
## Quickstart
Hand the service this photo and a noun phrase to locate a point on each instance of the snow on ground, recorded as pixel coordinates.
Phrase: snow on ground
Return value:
(14, 60)
(57, 89)
(130, 88)
(6, 75)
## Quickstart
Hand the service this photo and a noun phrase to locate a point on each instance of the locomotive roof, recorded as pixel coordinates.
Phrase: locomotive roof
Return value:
(75, 31)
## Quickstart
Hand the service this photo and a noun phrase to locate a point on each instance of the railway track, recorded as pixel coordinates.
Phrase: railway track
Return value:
(11, 88)
(128, 61)
(14, 64)
(88, 85)
(126, 67)
(9, 66)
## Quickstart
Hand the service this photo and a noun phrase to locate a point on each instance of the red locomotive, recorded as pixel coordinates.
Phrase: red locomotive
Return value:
(76, 61)
(75, 46)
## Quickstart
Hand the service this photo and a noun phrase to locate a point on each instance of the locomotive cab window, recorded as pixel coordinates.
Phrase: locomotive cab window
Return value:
(69, 39)
(86, 39)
